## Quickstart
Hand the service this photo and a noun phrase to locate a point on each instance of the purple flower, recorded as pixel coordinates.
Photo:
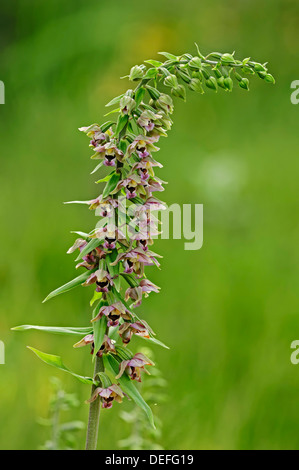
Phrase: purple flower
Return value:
(107, 346)
(109, 152)
(135, 293)
(135, 260)
(111, 234)
(96, 135)
(145, 167)
(126, 331)
(148, 119)
(143, 146)
(91, 260)
(113, 313)
(107, 395)
(132, 185)
(102, 279)
(134, 366)
(105, 207)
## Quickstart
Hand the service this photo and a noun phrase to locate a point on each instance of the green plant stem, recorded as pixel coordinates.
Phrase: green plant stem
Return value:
(94, 411)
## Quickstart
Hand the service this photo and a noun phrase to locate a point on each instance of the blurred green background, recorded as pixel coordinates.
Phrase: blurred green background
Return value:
(228, 311)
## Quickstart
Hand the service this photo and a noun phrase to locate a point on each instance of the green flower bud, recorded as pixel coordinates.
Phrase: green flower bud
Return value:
(247, 69)
(165, 103)
(221, 82)
(195, 63)
(262, 74)
(215, 55)
(179, 92)
(269, 78)
(228, 82)
(171, 81)
(195, 85)
(227, 59)
(127, 104)
(259, 67)
(136, 73)
(238, 76)
(212, 83)
(217, 73)
(244, 83)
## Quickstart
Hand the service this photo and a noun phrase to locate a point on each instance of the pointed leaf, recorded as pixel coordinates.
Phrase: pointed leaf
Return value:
(106, 178)
(121, 122)
(96, 296)
(70, 285)
(156, 341)
(128, 387)
(151, 73)
(111, 185)
(91, 245)
(59, 330)
(113, 270)
(56, 361)
(99, 330)
(168, 55)
(97, 167)
(139, 96)
(106, 125)
(155, 63)
(115, 100)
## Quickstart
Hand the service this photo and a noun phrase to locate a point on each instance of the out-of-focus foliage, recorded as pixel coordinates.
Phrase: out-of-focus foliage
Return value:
(142, 435)
(61, 435)
(228, 311)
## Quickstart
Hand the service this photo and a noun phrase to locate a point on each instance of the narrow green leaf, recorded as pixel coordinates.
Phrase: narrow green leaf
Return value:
(117, 110)
(59, 330)
(97, 167)
(96, 296)
(168, 55)
(156, 341)
(106, 125)
(70, 285)
(99, 330)
(82, 234)
(115, 100)
(121, 122)
(114, 270)
(151, 73)
(111, 185)
(139, 96)
(130, 279)
(77, 202)
(56, 361)
(91, 245)
(128, 387)
(154, 63)
(106, 178)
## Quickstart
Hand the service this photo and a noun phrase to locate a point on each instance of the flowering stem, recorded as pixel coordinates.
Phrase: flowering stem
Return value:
(94, 411)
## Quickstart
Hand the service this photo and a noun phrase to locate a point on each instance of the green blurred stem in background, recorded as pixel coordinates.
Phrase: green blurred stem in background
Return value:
(94, 411)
